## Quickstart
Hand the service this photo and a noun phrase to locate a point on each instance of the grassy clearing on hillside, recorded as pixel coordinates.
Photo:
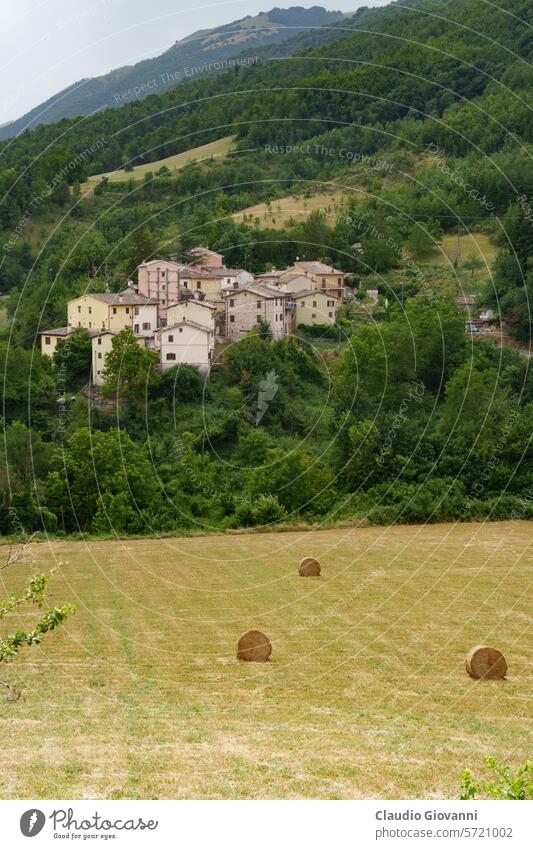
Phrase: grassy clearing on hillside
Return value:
(298, 208)
(140, 694)
(218, 149)
(466, 247)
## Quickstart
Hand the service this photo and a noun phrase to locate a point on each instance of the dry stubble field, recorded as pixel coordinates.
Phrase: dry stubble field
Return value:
(140, 695)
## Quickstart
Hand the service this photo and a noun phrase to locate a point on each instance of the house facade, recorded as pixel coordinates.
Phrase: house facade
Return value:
(247, 306)
(51, 338)
(322, 276)
(113, 311)
(186, 343)
(200, 312)
(101, 346)
(314, 307)
(204, 257)
(166, 281)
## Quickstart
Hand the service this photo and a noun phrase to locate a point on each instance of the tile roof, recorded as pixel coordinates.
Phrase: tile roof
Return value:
(262, 289)
(193, 301)
(126, 297)
(317, 267)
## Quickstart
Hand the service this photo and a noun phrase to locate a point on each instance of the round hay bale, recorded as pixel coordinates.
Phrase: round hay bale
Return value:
(254, 645)
(485, 662)
(309, 567)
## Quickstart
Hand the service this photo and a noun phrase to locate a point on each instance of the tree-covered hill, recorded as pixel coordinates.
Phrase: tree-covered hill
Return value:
(202, 53)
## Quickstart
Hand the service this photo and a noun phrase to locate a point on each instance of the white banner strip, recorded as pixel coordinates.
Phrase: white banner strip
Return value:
(267, 824)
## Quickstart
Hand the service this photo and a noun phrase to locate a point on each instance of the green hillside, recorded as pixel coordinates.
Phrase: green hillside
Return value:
(200, 54)
(419, 119)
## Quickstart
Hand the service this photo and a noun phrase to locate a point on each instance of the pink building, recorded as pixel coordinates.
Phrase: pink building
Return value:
(166, 281)
(204, 258)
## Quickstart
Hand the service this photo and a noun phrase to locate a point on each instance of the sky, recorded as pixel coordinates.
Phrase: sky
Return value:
(45, 45)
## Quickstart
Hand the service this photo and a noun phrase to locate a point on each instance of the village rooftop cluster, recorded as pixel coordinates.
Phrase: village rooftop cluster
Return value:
(182, 310)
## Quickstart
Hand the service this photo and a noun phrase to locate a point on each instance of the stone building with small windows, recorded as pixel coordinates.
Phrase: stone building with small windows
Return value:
(248, 306)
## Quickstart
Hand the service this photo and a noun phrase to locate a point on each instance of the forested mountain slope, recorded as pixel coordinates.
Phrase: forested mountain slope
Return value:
(202, 53)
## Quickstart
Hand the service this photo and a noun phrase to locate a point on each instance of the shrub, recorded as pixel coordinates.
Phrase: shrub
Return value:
(264, 510)
(502, 785)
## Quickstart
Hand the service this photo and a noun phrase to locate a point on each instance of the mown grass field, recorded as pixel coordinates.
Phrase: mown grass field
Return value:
(296, 208)
(140, 694)
(217, 149)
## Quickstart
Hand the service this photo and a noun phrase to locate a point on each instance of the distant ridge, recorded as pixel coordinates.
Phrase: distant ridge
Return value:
(202, 52)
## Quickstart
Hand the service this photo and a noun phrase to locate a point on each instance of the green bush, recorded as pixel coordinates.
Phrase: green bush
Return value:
(502, 784)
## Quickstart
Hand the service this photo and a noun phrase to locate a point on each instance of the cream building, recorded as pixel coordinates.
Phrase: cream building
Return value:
(51, 338)
(200, 312)
(322, 276)
(186, 343)
(101, 345)
(313, 307)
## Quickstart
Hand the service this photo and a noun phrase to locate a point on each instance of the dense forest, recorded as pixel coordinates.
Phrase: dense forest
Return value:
(395, 414)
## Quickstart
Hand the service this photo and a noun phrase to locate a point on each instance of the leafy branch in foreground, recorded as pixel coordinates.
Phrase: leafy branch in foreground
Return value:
(33, 594)
(502, 785)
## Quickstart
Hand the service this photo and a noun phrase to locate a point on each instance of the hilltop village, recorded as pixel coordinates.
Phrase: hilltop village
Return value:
(182, 310)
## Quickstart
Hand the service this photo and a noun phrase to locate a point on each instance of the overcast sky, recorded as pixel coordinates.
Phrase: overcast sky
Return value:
(47, 44)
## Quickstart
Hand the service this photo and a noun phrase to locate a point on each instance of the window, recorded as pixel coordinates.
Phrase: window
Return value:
(181, 330)
(259, 304)
(163, 274)
(232, 318)
(232, 303)
(90, 310)
(90, 324)
(330, 314)
(47, 340)
(313, 315)
(79, 309)
(79, 323)
(163, 287)
(99, 355)
(339, 280)
(185, 284)
(99, 340)
(171, 356)
(170, 337)
(127, 310)
(147, 325)
(259, 318)
(135, 328)
(136, 311)
(314, 303)
(114, 310)
(198, 284)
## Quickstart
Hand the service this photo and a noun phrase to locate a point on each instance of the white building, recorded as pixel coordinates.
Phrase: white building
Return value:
(186, 343)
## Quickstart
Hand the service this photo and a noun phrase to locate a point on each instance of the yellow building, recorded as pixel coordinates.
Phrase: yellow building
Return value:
(313, 307)
(51, 338)
(112, 311)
